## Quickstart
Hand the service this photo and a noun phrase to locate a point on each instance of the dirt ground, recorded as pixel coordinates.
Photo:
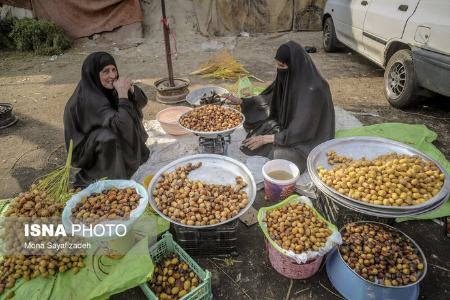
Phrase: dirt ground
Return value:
(39, 87)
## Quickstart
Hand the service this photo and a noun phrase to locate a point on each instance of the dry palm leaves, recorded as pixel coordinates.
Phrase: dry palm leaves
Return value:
(222, 66)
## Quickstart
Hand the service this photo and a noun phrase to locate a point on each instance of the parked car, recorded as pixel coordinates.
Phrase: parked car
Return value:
(410, 39)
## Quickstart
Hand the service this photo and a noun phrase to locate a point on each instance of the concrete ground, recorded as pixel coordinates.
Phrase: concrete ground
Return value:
(39, 87)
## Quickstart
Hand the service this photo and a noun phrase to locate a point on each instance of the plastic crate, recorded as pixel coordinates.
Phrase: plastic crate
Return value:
(168, 246)
(216, 241)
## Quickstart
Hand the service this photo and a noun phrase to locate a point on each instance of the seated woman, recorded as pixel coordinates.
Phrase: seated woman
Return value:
(293, 115)
(103, 117)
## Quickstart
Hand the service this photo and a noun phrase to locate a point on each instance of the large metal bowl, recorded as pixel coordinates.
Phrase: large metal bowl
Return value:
(352, 286)
(194, 97)
(215, 169)
(383, 213)
(370, 148)
(214, 134)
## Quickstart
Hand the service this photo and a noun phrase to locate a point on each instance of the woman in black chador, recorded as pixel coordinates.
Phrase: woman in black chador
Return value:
(104, 119)
(294, 114)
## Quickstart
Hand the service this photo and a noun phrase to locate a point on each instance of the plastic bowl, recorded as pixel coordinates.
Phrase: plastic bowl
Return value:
(168, 118)
(352, 286)
(98, 187)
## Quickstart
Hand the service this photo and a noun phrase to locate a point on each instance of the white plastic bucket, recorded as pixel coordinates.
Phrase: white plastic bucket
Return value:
(276, 190)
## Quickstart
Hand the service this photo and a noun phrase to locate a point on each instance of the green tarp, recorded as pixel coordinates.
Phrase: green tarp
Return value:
(102, 276)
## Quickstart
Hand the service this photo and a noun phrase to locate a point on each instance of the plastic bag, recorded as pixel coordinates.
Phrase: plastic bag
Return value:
(98, 187)
(245, 88)
(333, 240)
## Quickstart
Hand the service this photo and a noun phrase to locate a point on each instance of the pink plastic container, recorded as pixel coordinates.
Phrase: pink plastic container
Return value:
(288, 267)
(168, 118)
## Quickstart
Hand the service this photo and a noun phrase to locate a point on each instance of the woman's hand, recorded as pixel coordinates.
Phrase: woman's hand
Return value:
(122, 85)
(258, 141)
(232, 98)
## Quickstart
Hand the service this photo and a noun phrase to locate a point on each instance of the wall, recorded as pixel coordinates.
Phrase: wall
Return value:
(230, 17)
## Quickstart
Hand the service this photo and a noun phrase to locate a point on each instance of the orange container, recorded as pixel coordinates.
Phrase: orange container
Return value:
(168, 118)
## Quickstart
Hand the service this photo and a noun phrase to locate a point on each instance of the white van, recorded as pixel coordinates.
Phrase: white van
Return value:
(409, 38)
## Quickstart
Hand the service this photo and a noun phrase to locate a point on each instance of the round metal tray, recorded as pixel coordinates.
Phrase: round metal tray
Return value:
(379, 213)
(194, 97)
(385, 212)
(214, 134)
(215, 169)
(370, 148)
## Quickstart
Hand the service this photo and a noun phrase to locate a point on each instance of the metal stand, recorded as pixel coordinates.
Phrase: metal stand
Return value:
(217, 145)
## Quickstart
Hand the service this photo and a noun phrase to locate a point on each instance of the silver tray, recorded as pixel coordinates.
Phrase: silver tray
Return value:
(370, 148)
(215, 169)
(379, 213)
(194, 97)
(213, 134)
(386, 210)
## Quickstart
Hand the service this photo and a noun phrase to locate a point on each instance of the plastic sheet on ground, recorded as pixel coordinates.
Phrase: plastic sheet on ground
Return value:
(102, 276)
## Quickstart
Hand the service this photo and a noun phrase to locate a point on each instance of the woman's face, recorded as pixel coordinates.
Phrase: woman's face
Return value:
(107, 76)
(280, 65)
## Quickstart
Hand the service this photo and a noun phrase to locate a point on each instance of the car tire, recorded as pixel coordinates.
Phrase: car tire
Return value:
(400, 86)
(330, 41)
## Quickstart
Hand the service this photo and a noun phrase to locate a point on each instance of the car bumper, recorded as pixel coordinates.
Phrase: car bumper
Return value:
(432, 70)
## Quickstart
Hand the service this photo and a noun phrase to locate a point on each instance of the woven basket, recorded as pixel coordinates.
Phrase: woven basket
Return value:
(288, 267)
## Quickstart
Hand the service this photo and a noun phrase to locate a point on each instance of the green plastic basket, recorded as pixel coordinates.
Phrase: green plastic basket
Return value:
(168, 246)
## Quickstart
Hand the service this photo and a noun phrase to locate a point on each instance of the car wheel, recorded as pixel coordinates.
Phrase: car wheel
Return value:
(330, 41)
(400, 80)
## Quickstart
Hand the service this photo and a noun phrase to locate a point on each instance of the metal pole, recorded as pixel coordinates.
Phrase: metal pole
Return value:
(166, 30)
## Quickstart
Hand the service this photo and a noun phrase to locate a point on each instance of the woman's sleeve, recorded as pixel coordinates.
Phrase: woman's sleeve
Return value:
(120, 121)
(255, 109)
(138, 97)
(302, 128)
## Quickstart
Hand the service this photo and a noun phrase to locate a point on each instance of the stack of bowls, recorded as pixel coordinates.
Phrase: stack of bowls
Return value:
(370, 148)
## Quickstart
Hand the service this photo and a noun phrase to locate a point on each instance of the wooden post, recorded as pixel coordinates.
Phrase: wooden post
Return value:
(166, 30)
